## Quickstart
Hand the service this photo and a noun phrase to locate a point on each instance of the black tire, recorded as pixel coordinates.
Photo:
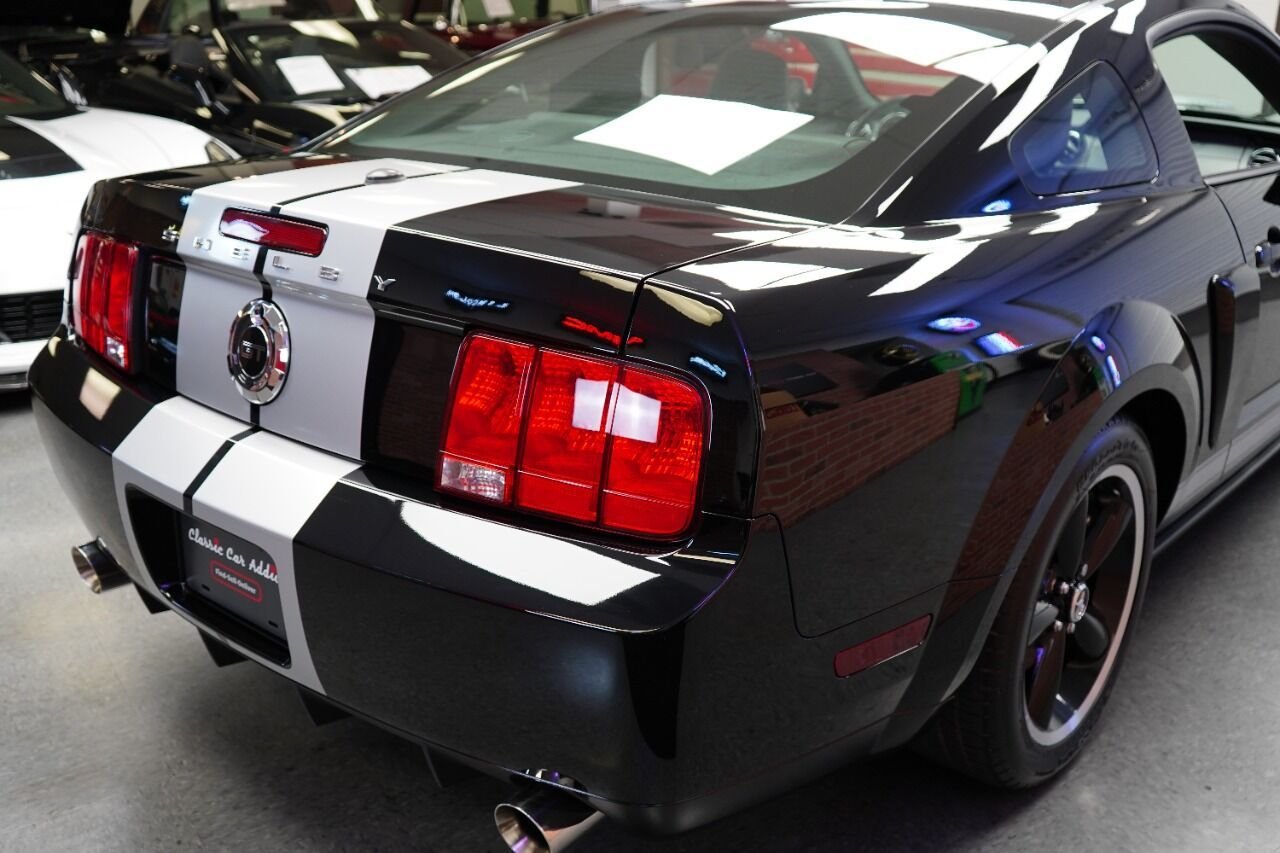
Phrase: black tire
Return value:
(987, 730)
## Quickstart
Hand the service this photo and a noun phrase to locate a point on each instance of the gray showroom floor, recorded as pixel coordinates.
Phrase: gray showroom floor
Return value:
(117, 733)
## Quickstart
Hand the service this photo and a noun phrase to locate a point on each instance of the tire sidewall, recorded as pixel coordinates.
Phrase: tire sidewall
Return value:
(1120, 442)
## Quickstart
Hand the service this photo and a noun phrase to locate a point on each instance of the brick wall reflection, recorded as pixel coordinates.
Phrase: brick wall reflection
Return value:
(849, 434)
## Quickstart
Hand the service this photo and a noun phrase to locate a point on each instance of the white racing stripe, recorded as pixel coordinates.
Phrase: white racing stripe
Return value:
(220, 278)
(260, 192)
(359, 218)
(331, 322)
(324, 299)
(210, 302)
(266, 486)
(264, 490)
(162, 456)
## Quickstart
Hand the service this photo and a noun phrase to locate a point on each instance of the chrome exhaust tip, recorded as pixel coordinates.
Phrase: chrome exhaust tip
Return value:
(541, 819)
(97, 568)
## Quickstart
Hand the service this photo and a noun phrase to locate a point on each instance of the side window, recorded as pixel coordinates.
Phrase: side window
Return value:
(184, 13)
(150, 19)
(1088, 136)
(1225, 86)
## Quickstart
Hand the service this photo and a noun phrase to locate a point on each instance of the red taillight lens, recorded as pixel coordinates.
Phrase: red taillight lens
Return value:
(103, 297)
(564, 436)
(572, 436)
(274, 232)
(655, 455)
(480, 447)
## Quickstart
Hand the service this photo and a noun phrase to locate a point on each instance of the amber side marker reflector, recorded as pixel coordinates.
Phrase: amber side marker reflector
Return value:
(879, 649)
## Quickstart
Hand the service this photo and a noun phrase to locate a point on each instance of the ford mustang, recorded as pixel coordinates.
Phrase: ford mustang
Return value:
(51, 153)
(672, 405)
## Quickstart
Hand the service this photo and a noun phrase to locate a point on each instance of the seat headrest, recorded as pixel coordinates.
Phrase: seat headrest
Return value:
(751, 77)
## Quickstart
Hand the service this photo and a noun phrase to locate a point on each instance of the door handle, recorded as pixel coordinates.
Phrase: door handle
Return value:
(1266, 255)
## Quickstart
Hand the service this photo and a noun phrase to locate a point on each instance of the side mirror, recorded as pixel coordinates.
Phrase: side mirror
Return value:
(189, 64)
(188, 61)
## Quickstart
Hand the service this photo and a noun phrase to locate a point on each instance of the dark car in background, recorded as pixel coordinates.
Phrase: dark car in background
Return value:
(262, 76)
(479, 25)
(671, 406)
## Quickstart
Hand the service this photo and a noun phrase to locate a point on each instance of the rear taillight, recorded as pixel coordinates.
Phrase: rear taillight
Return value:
(274, 232)
(578, 437)
(103, 296)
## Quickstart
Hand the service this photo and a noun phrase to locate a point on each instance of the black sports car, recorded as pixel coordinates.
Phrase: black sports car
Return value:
(261, 75)
(619, 416)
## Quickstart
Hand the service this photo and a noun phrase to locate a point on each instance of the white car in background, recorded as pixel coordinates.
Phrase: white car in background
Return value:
(51, 153)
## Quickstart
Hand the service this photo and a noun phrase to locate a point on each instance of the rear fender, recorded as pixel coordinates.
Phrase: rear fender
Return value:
(1124, 352)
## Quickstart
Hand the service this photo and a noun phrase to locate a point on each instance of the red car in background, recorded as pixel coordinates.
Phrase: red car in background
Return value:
(885, 77)
(478, 25)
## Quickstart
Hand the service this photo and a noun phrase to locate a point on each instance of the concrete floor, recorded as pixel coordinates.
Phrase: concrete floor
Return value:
(118, 733)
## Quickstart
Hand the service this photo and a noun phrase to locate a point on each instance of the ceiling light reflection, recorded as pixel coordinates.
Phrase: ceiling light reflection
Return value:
(539, 562)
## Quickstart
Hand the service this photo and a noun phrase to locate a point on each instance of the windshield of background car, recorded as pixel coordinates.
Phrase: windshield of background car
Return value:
(339, 60)
(474, 12)
(797, 109)
(295, 10)
(21, 93)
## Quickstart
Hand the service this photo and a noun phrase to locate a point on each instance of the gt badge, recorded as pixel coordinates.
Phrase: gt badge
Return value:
(258, 351)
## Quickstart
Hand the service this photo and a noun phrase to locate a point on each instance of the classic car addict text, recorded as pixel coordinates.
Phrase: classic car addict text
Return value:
(258, 567)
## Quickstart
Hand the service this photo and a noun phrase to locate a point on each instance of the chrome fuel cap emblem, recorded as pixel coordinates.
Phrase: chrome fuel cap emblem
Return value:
(258, 351)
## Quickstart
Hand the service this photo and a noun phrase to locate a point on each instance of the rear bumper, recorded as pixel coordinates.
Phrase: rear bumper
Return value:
(673, 687)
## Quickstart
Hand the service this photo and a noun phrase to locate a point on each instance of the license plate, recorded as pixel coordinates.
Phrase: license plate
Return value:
(232, 573)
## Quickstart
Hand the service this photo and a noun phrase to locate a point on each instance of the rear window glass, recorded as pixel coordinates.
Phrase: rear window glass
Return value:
(763, 106)
(1088, 136)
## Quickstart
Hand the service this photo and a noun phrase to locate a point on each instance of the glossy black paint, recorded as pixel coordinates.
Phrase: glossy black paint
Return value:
(863, 469)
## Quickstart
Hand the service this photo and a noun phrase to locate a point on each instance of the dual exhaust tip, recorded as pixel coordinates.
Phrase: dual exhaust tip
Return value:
(541, 819)
(537, 819)
(97, 568)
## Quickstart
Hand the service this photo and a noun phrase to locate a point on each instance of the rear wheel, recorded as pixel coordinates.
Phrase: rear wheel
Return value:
(1051, 659)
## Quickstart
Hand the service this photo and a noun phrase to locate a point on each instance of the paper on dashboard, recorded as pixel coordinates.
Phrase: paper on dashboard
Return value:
(307, 75)
(498, 8)
(385, 80)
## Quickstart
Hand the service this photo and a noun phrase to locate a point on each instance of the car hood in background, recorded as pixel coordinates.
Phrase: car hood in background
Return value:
(51, 163)
(39, 218)
(108, 143)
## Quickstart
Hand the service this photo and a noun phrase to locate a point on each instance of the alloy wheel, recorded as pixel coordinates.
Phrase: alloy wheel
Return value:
(1086, 598)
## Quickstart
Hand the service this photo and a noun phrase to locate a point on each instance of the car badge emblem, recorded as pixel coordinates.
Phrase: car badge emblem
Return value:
(330, 273)
(171, 234)
(258, 351)
(383, 283)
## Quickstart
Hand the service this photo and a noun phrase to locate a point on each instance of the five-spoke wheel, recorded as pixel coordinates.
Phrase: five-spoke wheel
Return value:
(1050, 661)
(1086, 598)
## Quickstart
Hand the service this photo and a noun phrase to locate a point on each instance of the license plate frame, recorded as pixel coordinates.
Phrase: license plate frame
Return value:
(232, 573)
